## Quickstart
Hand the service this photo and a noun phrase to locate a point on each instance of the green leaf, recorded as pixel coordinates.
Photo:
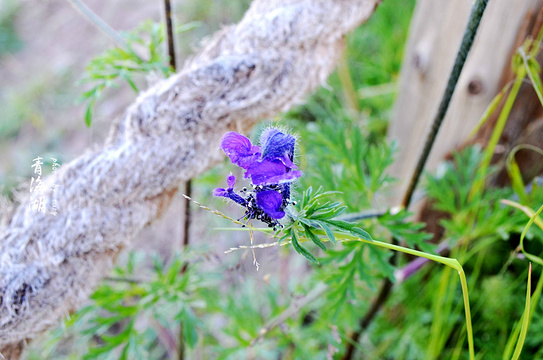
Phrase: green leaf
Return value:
(306, 197)
(311, 235)
(115, 64)
(284, 237)
(300, 249)
(516, 177)
(189, 328)
(533, 69)
(335, 212)
(188, 26)
(490, 109)
(314, 207)
(88, 114)
(361, 233)
(118, 339)
(328, 231)
(514, 171)
(325, 194)
(173, 272)
(327, 205)
(340, 224)
(130, 82)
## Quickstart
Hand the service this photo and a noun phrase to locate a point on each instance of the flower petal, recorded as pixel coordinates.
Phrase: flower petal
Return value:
(239, 149)
(278, 146)
(230, 194)
(261, 171)
(284, 178)
(231, 181)
(270, 201)
(220, 192)
(271, 172)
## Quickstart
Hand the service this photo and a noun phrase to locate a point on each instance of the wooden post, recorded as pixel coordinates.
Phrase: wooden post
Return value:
(435, 35)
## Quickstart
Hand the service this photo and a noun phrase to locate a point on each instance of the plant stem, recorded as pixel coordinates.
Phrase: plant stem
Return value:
(362, 216)
(121, 279)
(99, 23)
(465, 295)
(186, 221)
(414, 266)
(351, 96)
(169, 34)
(186, 224)
(525, 318)
(295, 307)
(185, 230)
(375, 306)
(173, 64)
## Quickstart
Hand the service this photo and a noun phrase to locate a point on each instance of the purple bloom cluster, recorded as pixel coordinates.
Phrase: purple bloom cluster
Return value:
(271, 170)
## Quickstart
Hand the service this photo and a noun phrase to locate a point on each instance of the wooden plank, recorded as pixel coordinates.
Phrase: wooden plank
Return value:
(435, 35)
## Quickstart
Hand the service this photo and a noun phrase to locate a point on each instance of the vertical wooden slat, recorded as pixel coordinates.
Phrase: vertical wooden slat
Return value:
(435, 35)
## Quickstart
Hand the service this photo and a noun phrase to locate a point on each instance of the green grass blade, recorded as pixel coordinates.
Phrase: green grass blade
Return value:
(516, 176)
(495, 137)
(490, 110)
(534, 217)
(525, 318)
(533, 69)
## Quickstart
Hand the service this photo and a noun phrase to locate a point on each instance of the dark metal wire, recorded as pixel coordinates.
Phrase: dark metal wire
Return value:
(467, 41)
(465, 46)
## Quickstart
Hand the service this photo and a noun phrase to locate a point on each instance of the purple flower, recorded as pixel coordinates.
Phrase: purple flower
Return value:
(271, 170)
(278, 146)
(275, 165)
(239, 149)
(229, 193)
(271, 202)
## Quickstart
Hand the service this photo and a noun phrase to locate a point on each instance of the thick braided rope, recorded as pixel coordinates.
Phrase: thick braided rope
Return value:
(280, 51)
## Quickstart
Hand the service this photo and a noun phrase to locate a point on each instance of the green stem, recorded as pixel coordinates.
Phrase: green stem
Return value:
(452, 263)
(102, 25)
(351, 97)
(466, 308)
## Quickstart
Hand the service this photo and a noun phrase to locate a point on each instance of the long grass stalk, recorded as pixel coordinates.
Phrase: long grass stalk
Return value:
(102, 25)
(452, 263)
